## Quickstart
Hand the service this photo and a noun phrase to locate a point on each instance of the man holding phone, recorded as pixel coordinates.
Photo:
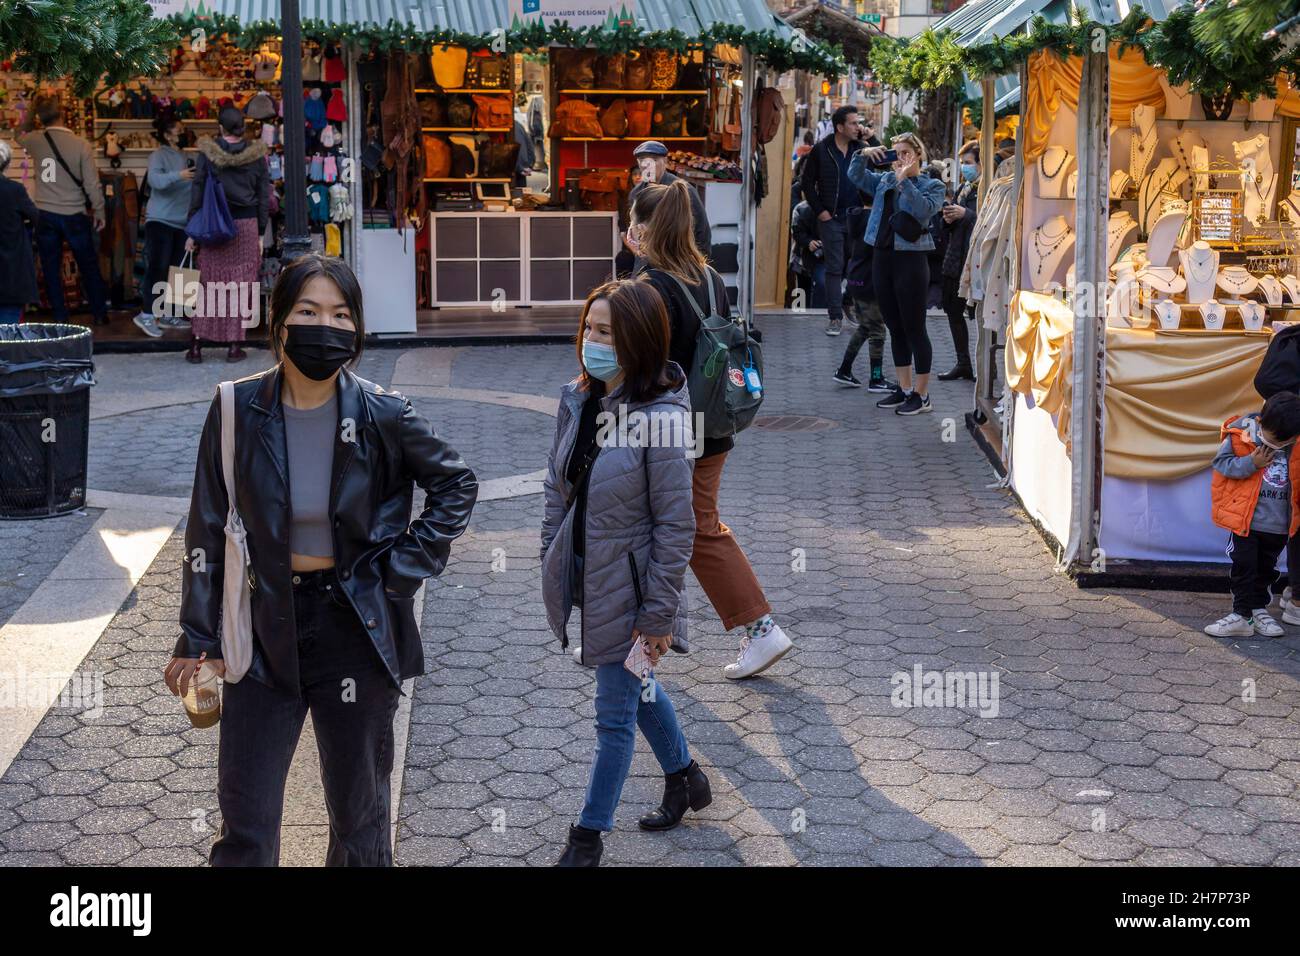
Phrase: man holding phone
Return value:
(835, 200)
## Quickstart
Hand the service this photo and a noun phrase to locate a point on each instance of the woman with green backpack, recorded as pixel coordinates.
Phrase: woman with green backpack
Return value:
(661, 229)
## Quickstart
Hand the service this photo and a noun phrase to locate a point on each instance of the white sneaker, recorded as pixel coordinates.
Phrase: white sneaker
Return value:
(577, 653)
(147, 324)
(1264, 624)
(1290, 610)
(758, 654)
(1234, 625)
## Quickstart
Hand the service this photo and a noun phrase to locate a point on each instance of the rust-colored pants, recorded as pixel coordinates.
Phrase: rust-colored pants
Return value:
(720, 566)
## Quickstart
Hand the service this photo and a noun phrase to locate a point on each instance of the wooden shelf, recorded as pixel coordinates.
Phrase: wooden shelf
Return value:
(498, 91)
(632, 94)
(150, 119)
(466, 129)
(629, 139)
(466, 179)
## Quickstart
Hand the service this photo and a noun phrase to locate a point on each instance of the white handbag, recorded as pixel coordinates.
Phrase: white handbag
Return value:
(236, 606)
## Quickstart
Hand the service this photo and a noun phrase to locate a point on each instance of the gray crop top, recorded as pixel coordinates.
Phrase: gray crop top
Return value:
(309, 434)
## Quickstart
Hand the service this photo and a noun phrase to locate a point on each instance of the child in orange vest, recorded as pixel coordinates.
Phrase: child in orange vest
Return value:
(1255, 498)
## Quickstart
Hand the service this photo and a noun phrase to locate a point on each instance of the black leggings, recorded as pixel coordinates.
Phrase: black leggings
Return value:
(164, 247)
(902, 281)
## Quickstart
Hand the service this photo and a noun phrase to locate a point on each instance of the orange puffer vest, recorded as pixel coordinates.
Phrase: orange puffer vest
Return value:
(1233, 499)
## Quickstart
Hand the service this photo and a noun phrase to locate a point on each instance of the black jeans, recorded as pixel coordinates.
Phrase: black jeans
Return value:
(164, 247)
(871, 329)
(955, 306)
(352, 701)
(835, 243)
(902, 281)
(1254, 568)
(78, 231)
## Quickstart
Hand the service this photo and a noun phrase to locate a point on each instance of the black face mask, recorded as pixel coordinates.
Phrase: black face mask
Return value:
(319, 350)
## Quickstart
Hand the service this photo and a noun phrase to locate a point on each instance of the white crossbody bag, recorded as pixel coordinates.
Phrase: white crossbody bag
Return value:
(236, 606)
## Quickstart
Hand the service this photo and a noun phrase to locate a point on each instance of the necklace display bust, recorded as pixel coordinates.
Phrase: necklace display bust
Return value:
(1049, 244)
(1236, 281)
(1200, 268)
(1167, 178)
(1292, 286)
(1252, 316)
(1119, 233)
(1142, 147)
(1258, 182)
(1178, 99)
(1271, 286)
(1165, 231)
(1162, 279)
(1212, 314)
(1053, 172)
(1168, 314)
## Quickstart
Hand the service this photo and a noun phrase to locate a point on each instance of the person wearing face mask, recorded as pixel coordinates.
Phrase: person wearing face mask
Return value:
(959, 223)
(617, 529)
(324, 469)
(652, 160)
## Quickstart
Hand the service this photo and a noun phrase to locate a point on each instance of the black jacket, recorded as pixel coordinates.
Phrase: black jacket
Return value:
(820, 179)
(376, 544)
(18, 216)
(803, 230)
(959, 233)
(244, 175)
(700, 225)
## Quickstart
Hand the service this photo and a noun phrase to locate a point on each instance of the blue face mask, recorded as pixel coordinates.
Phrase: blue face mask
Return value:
(599, 360)
(969, 173)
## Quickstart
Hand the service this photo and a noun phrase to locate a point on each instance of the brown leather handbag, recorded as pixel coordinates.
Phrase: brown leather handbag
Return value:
(602, 191)
(493, 112)
(498, 160)
(636, 71)
(610, 71)
(668, 118)
(577, 118)
(613, 118)
(640, 113)
(437, 157)
(575, 69)
(433, 111)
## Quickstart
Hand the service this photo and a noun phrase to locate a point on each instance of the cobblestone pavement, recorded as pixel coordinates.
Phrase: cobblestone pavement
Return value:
(1122, 733)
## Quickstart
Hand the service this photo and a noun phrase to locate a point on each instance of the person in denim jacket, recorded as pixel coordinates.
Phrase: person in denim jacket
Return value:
(903, 203)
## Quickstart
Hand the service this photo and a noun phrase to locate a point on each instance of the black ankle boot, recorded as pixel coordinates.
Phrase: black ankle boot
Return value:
(584, 848)
(956, 372)
(685, 788)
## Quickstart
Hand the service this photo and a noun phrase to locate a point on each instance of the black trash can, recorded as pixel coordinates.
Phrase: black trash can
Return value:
(45, 376)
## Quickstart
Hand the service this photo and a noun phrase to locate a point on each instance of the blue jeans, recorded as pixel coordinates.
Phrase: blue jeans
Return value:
(78, 230)
(622, 705)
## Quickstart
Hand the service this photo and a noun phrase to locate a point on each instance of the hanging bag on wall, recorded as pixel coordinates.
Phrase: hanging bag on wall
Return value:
(449, 66)
(663, 70)
(640, 113)
(575, 69)
(731, 131)
(636, 71)
(769, 110)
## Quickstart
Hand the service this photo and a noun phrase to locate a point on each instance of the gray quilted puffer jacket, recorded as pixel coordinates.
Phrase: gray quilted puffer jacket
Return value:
(639, 522)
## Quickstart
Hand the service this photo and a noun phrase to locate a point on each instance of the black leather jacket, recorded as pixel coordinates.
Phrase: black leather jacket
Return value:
(376, 544)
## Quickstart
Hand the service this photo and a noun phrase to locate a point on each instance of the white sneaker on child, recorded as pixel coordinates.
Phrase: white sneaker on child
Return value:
(1290, 610)
(1234, 625)
(1264, 624)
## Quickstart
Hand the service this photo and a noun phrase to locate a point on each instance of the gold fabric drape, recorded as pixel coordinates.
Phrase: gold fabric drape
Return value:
(1054, 82)
(1167, 394)
(1040, 327)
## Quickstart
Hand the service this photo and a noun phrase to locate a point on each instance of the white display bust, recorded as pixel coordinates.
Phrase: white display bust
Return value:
(1178, 99)
(1200, 268)
(1292, 286)
(1049, 245)
(1258, 181)
(1142, 148)
(1212, 314)
(1119, 233)
(1162, 279)
(1054, 172)
(1162, 183)
(1168, 314)
(1236, 281)
(1271, 286)
(1252, 316)
(1165, 232)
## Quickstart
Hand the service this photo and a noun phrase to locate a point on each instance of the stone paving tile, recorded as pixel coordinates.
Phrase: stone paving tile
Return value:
(30, 550)
(1121, 737)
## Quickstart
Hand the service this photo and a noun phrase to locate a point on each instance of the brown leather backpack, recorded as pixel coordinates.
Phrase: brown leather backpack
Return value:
(613, 118)
(577, 118)
(437, 157)
(769, 110)
(575, 69)
(602, 190)
(493, 112)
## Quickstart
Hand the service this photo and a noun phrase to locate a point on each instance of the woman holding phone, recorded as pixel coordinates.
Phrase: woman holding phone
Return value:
(903, 201)
(324, 468)
(616, 540)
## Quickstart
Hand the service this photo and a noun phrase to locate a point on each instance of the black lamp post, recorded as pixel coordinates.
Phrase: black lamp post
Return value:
(297, 242)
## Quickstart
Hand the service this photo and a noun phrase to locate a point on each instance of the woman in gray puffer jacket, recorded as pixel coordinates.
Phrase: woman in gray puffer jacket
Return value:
(616, 541)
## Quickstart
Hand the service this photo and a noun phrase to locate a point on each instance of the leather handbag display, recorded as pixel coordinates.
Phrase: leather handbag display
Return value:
(437, 157)
(636, 71)
(493, 112)
(236, 592)
(433, 111)
(575, 69)
(692, 75)
(577, 118)
(639, 116)
(613, 118)
(498, 160)
(663, 70)
(493, 73)
(449, 66)
(601, 190)
(697, 117)
(463, 158)
(610, 70)
(460, 112)
(668, 118)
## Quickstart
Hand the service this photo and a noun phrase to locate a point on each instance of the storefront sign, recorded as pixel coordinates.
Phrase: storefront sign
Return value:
(578, 13)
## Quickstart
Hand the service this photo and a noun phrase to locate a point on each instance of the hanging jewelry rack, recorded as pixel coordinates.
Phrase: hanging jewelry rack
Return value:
(1216, 210)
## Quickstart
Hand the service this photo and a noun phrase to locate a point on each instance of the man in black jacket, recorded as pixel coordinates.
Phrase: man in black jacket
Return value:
(833, 198)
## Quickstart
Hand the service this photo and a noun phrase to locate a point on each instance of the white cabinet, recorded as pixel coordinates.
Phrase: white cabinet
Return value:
(387, 275)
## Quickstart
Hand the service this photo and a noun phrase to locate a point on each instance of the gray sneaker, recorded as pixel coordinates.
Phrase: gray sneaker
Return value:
(146, 324)
(174, 322)
(834, 327)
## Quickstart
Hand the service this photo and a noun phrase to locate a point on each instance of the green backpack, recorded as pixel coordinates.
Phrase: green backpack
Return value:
(725, 378)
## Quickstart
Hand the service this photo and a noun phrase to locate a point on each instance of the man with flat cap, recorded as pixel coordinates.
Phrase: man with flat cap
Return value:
(652, 158)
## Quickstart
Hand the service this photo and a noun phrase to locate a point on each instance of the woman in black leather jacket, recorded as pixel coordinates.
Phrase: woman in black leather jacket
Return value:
(324, 468)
